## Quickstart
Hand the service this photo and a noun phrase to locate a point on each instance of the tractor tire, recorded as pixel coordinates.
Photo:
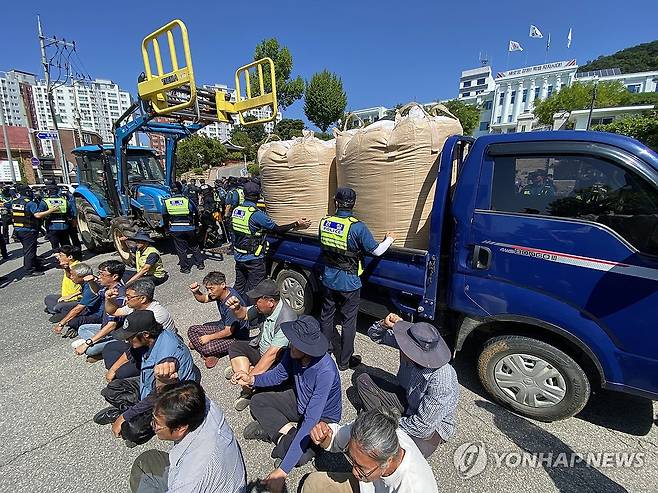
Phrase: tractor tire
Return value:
(92, 229)
(533, 378)
(123, 226)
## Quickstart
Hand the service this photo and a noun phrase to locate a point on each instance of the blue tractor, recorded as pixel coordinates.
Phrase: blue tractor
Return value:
(122, 187)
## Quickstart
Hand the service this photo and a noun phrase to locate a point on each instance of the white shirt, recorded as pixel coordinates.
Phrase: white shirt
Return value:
(413, 475)
(160, 313)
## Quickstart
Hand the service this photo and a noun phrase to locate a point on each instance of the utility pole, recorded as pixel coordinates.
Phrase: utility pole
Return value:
(49, 94)
(591, 105)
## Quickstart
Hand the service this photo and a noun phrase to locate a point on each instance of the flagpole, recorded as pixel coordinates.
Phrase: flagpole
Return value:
(507, 62)
(548, 45)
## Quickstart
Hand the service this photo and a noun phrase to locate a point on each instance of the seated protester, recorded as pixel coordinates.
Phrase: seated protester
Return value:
(213, 339)
(159, 355)
(262, 352)
(205, 457)
(427, 390)
(70, 292)
(383, 457)
(148, 261)
(88, 309)
(286, 417)
(139, 296)
(94, 337)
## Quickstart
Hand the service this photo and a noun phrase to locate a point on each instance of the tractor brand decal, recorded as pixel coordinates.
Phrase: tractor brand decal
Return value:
(577, 261)
(170, 79)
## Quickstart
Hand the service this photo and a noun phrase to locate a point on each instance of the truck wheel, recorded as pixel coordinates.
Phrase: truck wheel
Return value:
(533, 378)
(123, 226)
(296, 290)
(91, 227)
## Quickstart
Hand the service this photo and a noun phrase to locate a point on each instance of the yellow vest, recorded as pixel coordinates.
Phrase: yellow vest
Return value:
(156, 270)
(69, 287)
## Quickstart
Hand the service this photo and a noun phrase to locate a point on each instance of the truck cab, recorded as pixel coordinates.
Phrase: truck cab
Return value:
(543, 253)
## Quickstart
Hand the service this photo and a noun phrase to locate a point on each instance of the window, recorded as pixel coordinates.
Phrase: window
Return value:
(512, 97)
(466, 94)
(480, 81)
(523, 128)
(524, 98)
(537, 91)
(549, 92)
(488, 105)
(501, 97)
(467, 83)
(579, 187)
(634, 88)
(499, 119)
(509, 118)
(602, 121)
(484, 126)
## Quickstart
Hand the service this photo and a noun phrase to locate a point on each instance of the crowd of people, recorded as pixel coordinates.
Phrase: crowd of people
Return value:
(286, 368)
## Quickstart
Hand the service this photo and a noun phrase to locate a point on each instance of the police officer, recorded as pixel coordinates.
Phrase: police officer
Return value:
(538, 186)
(6, 196)
(25, 214)
(181, 220)
(249, 226)
(148, 260)
(57, 223)
(193, 191)
(344, 240)
(72, 218)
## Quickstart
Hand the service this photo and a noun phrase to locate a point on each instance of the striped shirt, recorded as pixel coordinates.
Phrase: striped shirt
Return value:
(432, 394)
(208, 458)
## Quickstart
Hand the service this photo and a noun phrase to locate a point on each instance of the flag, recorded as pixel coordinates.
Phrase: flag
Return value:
(535, 32)
(514, 46)
(569, 39)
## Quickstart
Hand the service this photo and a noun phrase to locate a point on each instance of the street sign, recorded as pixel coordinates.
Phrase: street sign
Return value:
(35, 162)
(47, 135)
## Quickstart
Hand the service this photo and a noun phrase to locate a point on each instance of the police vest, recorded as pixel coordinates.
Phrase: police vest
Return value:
(246, 241)
(167, 345)
(240, 195)
(334, 233)
(156, 270)
(21, 217)
(178, 209)
(59, 216)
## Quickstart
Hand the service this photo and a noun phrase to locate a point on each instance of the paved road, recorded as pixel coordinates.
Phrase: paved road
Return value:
(49, 396)
(224, 171)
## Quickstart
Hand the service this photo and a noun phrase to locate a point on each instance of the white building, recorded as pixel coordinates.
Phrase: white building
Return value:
(93, 106)
(602, 116)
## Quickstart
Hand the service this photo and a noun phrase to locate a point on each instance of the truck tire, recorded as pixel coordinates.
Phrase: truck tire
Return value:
(91, 227)
(123, 226)
(533, 378)
(296, 289)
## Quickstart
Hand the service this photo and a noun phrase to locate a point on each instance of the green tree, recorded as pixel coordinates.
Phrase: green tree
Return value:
(241, 138)
(579, 97)
(199, 150)
(639, 58)
(468, 114)
(288, 128)
(324, 135)
(288, 90)
(325, 100)
(255, 132)
(641, 127)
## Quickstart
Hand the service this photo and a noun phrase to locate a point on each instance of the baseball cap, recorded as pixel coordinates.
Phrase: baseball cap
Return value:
(267, 287)
(345, 195)
(138, 321)
(251, 189)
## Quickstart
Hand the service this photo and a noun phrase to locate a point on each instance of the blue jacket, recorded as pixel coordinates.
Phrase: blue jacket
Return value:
(167, 345)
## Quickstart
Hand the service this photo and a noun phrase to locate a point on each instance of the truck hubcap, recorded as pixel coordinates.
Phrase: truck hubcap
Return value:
(530, 380)
(293, 292)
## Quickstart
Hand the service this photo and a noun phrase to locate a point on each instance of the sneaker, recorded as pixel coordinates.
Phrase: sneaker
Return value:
(228, 372)
(77, 343)
(185, 270)
(69, 333)
(254, 431)
(94, 358)
(201, 266)
(242, 402)
(211, 361)
(107, 415)
(34, 273)
(353, 363)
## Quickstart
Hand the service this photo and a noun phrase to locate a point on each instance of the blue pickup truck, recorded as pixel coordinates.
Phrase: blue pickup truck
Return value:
(543, 251)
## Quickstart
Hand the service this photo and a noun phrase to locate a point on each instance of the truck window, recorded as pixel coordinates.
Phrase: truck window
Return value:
(579, 187)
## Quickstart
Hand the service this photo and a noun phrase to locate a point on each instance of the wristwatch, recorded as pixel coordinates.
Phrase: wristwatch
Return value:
(89, 342)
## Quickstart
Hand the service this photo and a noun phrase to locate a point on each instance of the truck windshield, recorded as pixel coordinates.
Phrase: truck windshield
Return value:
(144, 168)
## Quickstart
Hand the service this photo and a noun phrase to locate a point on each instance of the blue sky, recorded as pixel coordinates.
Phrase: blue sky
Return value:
(386, 52)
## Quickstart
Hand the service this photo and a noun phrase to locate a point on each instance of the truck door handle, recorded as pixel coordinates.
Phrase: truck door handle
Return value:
(481, 257)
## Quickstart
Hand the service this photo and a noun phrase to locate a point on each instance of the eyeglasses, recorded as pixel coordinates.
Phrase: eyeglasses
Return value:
(133, 297)
(361, 474)
(156, 427)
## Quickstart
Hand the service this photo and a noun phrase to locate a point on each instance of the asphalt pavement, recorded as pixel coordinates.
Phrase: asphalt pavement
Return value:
(49, 395)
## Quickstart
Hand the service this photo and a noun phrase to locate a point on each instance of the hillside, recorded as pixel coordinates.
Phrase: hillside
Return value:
(640, 58)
